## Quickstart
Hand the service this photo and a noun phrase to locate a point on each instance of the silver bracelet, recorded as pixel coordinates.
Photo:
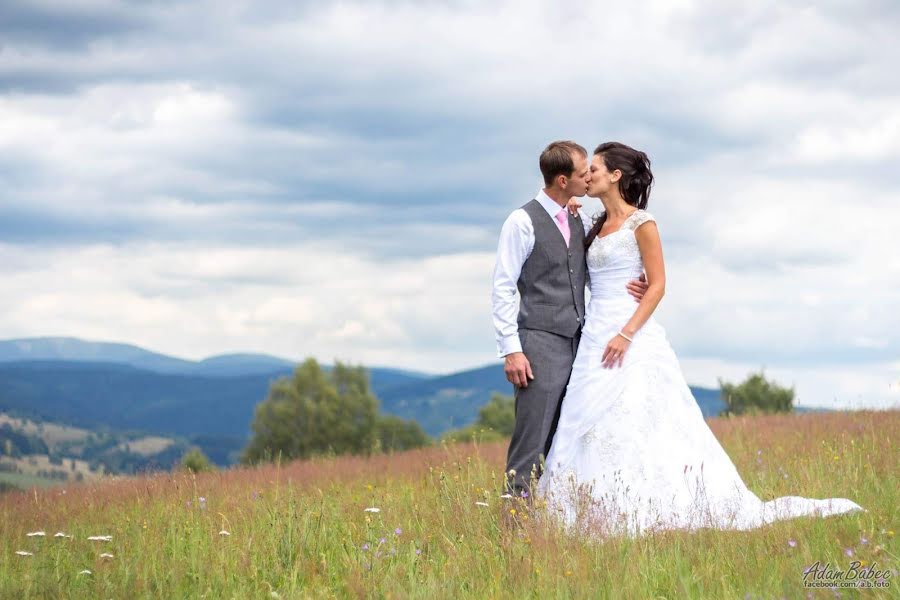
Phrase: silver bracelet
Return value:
(626, 337)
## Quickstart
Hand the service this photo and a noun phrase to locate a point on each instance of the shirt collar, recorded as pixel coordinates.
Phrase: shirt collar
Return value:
(548, 203)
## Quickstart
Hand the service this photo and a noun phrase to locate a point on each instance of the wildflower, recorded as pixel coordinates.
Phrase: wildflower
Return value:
(418, 551)
(106, 555)
(481, 504)
(365, 547)
(223, 532)
(381, 541)
(84, 572)
(524, 494)
(848, 551)
(512, 472)
(792, 543)
(890, 533)
(506, 496)
(100, 538)
(24, 553)
(372, 509)
(863, 540)
(36, 534)
(512, 511)
(398, 531)
(60, 534)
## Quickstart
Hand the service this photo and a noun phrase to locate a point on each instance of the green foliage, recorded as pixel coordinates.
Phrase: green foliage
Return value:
(195, 461)
(313, 413)
(756, 395)
(496, 421)
(396, 434)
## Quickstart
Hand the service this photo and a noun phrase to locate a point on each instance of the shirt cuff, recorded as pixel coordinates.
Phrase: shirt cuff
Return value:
(508, 345)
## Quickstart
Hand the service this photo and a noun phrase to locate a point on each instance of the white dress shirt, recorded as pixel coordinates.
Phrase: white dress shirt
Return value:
(516, 244)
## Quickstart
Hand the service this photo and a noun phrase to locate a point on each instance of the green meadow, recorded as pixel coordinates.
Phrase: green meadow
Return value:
(430, 523)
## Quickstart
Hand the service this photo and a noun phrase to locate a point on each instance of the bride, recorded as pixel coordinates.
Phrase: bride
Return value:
(632, 452)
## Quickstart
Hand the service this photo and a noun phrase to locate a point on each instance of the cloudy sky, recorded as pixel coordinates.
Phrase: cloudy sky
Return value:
(328, 179)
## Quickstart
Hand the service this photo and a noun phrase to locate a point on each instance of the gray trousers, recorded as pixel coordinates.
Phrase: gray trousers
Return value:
(538, 405)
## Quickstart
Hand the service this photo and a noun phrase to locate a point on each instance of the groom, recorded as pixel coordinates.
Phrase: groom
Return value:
(541, 255)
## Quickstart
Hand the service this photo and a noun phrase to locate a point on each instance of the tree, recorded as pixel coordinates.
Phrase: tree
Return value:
(756, 395)
(499, 414)
(195, 461)
(496, 421)
(314, 412)
(397, 434)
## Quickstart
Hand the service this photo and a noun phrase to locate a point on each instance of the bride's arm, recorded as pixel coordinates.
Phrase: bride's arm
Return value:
(647, 236)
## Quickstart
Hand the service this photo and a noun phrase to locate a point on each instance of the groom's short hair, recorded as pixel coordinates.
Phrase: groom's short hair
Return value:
(556, 159)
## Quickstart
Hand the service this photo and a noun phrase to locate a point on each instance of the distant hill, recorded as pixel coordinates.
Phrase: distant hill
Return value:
(66, 349)
(211, 402)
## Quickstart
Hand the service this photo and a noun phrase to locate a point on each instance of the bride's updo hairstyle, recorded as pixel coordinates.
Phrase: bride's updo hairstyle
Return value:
(635, 183)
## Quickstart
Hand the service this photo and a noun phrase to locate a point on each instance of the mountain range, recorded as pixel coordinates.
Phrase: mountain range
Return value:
(211, 401)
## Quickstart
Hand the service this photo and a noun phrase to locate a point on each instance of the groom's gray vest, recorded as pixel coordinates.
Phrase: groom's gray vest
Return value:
(551, 285)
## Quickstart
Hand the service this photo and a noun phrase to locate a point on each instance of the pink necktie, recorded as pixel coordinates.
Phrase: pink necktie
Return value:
(562, 218)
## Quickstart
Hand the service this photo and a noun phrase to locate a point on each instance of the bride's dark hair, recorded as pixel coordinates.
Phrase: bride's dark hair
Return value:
(635, 183)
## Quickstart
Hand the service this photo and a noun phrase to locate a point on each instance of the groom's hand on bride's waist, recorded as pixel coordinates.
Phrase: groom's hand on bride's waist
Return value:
(638, 287)
(518, 369)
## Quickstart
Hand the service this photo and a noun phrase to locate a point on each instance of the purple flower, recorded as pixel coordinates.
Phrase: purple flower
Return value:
(863, 540)
(848, 551)
(524, 494)
(381, 541)
(398, 531)
(418, 551)
(365, 547)
(792, 543)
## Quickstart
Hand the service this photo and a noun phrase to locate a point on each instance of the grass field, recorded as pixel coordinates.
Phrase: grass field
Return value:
(301, 530)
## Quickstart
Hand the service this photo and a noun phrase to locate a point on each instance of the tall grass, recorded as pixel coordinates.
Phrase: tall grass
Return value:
(300, 530)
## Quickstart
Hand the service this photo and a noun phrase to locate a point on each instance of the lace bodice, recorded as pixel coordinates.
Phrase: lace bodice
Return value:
(615, 258)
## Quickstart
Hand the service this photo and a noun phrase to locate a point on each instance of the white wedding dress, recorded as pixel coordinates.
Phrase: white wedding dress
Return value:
(632, 452)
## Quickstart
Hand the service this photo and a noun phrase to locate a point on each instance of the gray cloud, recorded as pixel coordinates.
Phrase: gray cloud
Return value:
(398, 131)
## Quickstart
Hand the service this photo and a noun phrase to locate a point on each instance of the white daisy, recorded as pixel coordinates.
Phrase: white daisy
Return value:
(24, 553)
(372, 509)
(36, 534)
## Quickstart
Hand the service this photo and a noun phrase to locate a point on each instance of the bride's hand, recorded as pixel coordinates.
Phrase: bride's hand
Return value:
(615, 352)
(573, 205)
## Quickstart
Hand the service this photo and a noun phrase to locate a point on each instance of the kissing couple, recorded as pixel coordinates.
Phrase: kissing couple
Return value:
(607, 432)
